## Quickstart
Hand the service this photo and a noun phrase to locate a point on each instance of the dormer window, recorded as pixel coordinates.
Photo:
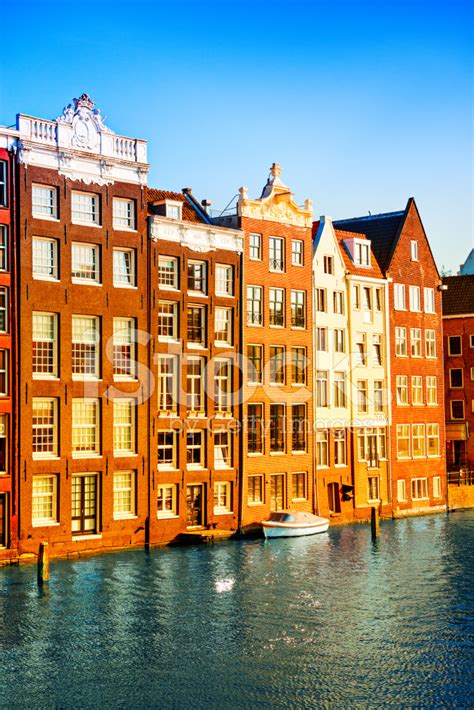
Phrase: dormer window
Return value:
(362, 254)
(173, 209)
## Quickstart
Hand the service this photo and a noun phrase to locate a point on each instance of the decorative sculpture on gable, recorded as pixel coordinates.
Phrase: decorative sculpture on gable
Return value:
(86, 121)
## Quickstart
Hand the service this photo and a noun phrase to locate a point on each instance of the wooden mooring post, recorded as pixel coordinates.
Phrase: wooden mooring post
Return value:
(43, 563)
(375, 522)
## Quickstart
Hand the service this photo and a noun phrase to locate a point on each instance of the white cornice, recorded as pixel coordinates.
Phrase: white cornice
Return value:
(200, 238)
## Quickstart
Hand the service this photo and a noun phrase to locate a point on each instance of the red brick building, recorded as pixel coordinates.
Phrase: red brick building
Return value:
(417, 452)
(458, 327)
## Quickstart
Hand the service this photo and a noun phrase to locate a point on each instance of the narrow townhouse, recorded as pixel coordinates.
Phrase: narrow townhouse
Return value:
(458, 334)
(8, 487)
(368, 351)
(277, 439)
(83, 438)
(417, 446)
(195, 312)
(331, 363)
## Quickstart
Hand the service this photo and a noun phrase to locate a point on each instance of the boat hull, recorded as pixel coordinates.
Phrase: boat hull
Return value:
(271, 531)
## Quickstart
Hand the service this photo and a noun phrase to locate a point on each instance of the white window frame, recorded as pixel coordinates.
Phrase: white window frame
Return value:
(373, 486)
(53, 262)
(276, 265)
(406, 437)
(429, 300)
(299, 498)
(456, 387)
(123, 214)
(401, 345)
(222, 386)
(204, 279)
(4, 309)
(78, 426)
(255, 246)
(432, 435)
(419, 489)
(173, 209)
(401, 382)
(223, 450)
(450, 353)
(200, 446)
(415, 342)
(127, 278)
(417, 390)
(129, 489)
(38, 375)
(124, 430)
(399, 297)
(297, 252)
(3, 247)
(431, 390)
(414, 250)
(90, 337)
(4, 371)
(457, 419)
(259, 488)
(170, 317)
(418, 441)
(166, 446)
(223, 335)
(415, 299)
(254, 315)
(123, 348)
(195, 395)
(52, 498)
(402, 490)
(167, 370)
(53, 427)
(437, 489)
(95, 277)
(49, 202)
(430, 343)
(224, 280)
(222, 497)
(298, 302)
(163, 512)
(94, 212)
(163, 264)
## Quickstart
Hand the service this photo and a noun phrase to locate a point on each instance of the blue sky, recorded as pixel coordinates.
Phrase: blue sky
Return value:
(362, 103)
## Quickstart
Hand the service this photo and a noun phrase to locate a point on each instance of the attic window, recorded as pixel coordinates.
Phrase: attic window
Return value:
(173, 209)
(362, 254)
(414, 250)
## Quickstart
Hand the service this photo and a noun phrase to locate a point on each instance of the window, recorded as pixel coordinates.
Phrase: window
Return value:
(194, 384)
(124, 427)
(173, 210)
(298, 366)
(222, 449)
(456, 379)
(322, 447)
(415, 298)
(197, 325)
(167, 383)
(167, 450)
(432, 390)
(437, 487)
(3, 443)
(454, 345)
(167, 320)
(362, 403)
(197, 276)
(378, 300)
(401, 490)
(85, 262)
(328, 264)
(417, 390)
(124, 267)
(276, 254)
(432, 437)
(322, 340)
(222, 386)
(378, 396)
(471, 341)
(3, 183)
(298, 421)
(401, 342)
(224, 280)
(322, 399)
(124, 348)
(85, 504)
(195, 449)
(373, 489)
(255, 247)
(123, 213)
(339, 341)
(339, 389)
(362, 254)
(415, 342)
(167, 500)
(418, 440)
(124, 494)
(457, 409)
(255, 428)
(222, 497)
(298, 486)
(168, 272)
(277, 306)
(3, 248)
(298, 309)
(277, 365)
(45, 427)
(4, 373)
(419, 488)
(45, 259)
(338, 302)
(85, 346)
(367, 304)
(45, 501)
(361, 445)
(45, 345)
(254, 305)
(255, 364)
(402, 389)
(85, 427)
(429, 299)
(297, 252)
(254, 490)
(85, 208)
(44, 201)
(4, 325)
(430, 343)
(356, 297)
(223, 326)
(472, 373)
(399, 297)
(321, 303)
(340, 447)
(403, 441)
(334, 498)
(277, 428)
(377, 350)
(414, 250)
(361, 350)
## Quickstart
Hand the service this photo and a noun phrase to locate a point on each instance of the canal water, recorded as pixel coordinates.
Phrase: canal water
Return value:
(326, 621)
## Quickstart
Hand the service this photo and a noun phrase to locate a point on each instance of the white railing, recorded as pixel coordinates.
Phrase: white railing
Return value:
(43, 131)
(125, 148)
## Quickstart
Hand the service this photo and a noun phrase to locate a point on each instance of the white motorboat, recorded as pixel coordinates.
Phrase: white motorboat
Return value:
(288, 523)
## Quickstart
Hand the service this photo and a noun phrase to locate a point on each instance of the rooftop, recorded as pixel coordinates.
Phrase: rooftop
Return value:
(459, 298)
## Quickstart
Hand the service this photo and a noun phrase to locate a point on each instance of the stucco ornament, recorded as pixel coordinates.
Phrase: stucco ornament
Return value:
(86, 121)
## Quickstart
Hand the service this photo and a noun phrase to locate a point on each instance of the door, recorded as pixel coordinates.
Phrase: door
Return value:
(3, 520)
(372, 452)
(459, 453)
(194, 510)
(277, 500)
(84, 505)
(334, 499)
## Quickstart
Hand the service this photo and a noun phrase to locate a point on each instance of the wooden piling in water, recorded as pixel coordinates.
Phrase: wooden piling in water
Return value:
(375, 522)
(43, 563)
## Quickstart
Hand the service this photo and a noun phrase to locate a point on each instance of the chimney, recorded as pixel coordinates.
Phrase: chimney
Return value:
(206, 204)
(186, 190)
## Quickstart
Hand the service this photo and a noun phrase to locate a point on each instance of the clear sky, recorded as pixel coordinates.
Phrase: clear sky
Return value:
(362, 103)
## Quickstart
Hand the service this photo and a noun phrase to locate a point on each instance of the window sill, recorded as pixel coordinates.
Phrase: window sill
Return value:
(194, 467)
(86, 224)
(254, 325)
(45, 524)
(195, 346)
(124, 378)
(93, 536)
(40, 457)
(299, 500)
(173, 289)
(220, 344)
(298, 453)
(255, 454)
(45, 217)
(223, 468)
(340, 465)
(85, 282)
(47, 378)
(51, 279)
(197, 294)
(255, 505)
(222, 512)
(128, 287)
(225, 295)
(125, 516)
(86, 455)
(125, 455)
(167, 414)
(121, 228)
(165, 339)
(82, 378)
(277, 453)
(167, 469)
(276, 327)
(166, 516)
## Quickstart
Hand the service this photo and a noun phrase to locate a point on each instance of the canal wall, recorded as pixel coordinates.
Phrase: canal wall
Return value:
(460, 496)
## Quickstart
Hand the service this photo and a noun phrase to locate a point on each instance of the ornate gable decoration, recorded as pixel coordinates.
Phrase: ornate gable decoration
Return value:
(276, 203)
(86, 121)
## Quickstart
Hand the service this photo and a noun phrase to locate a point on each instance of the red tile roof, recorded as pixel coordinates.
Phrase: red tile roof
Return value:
(373, 271)
(189, 213)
